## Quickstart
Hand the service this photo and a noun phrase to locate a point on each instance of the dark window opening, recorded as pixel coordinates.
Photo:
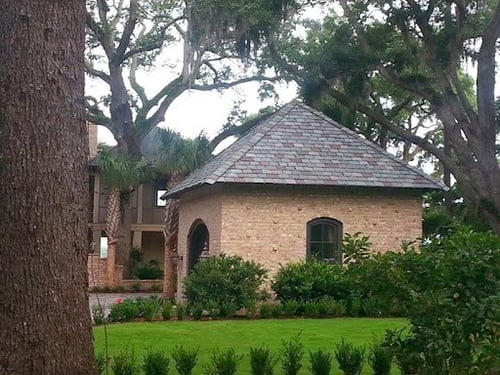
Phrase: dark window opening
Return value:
(324, 240)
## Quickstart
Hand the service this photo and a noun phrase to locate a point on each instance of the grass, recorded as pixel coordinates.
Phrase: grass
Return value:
(241, 335)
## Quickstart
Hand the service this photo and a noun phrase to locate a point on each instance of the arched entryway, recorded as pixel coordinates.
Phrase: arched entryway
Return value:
(198, 240)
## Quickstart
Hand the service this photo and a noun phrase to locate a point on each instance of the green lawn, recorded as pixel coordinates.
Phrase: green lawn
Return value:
(241, 335)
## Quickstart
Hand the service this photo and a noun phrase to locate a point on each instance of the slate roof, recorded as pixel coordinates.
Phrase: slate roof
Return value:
(300, 146)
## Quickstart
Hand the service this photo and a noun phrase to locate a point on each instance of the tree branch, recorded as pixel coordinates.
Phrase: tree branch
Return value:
(89, 69)
(139, 90)
(486, 76)
(398, 130)
(226, 85)
(101, 35)
(127, 32)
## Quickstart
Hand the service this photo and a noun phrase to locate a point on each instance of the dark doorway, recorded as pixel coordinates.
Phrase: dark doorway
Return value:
(198, 241)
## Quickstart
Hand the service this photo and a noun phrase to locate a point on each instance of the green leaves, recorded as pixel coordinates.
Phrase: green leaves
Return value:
(120, 170)
(225, 282)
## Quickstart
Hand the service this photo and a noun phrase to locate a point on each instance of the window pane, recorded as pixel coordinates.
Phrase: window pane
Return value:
(316, 232)
(160, 202)
(316, 250)
(103, 247)
(329, 233)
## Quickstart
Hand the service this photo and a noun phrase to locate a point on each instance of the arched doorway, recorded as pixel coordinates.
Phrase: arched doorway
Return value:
(198, 240)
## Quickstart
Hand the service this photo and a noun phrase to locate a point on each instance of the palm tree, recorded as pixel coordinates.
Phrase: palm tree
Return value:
(176, 156)
(120, 175)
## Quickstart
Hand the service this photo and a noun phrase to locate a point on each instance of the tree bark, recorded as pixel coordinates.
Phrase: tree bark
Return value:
(44, 312)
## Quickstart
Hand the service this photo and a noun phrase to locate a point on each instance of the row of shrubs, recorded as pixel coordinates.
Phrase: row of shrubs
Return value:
(350, 360)
(156, 308)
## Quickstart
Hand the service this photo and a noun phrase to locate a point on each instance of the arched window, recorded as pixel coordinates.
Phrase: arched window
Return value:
(324, 239)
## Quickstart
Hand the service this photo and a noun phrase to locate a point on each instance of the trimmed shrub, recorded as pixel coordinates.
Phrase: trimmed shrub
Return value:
(167, 309)
(262, 362)
(292, 354)
(380, 359)
(156, 363)
(321, 362)
(350, 358)
(223, 362)
(181, 310)
(125, 311)
(151, 271)
(125, 363)
(309, 280)
(150, 308)
(225, 281)
(185, 360)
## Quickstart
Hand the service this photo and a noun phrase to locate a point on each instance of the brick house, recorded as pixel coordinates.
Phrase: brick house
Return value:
(146, 229)
(290, 188)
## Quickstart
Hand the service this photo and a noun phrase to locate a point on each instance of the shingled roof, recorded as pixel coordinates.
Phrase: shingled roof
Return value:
(300, 146)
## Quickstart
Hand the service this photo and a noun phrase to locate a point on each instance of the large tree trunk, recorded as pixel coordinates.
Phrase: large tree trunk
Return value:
(44, 313)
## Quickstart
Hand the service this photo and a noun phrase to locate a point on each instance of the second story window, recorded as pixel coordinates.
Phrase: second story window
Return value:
(159, 193)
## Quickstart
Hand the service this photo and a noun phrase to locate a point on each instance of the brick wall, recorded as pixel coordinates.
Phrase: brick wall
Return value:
(97, 271)
(204, 204)
(269, 224)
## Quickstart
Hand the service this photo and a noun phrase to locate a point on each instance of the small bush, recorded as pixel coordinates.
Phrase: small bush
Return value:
(350, 358)
(125, 363)
(292, 308)
(124, 311)
(265, 310)
(149, 272)
(262, 362)
(455, 282)
(292, 354)
(226, 310)
(156, 363)
(185, 360)
(309, 281)
(197, 312)
(150, 308)
(223, 363)
(98, 314)
(101, 362)
(277, 310)
(166, 310)
(225, 281)
(380, 359)
(180, 310)
(321, 362)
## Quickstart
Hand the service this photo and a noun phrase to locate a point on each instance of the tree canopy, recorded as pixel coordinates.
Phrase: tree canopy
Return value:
(387, 61)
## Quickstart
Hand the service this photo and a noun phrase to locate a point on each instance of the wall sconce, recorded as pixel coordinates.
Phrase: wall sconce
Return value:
(205, 254)
(175, 258)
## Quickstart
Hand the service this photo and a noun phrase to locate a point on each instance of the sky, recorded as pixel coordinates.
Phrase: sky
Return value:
(196, 111)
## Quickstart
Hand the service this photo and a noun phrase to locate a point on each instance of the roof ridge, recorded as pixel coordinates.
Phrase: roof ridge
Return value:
(282, 112)
(371, 144)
